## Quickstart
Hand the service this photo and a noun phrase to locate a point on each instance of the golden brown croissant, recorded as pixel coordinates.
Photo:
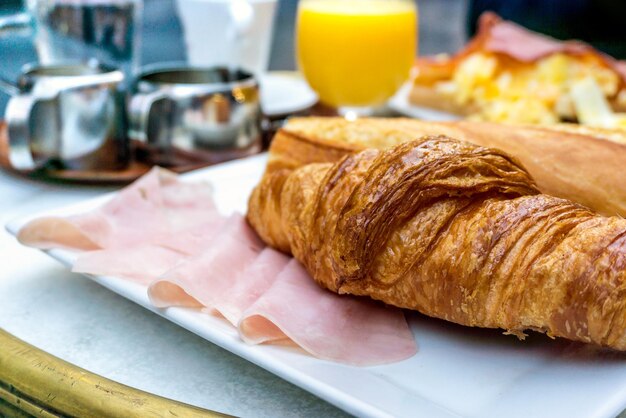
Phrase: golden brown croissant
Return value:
(455, 231)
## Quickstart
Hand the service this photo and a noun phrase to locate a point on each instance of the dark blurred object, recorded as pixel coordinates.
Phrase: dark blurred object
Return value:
(597, 22)
(16, 49)
(441, 26)
(107, 30)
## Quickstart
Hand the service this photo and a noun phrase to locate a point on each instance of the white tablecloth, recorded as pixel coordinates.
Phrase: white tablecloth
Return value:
(79, 321)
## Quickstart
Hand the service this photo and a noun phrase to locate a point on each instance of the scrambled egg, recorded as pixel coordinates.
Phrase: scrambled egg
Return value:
(556, 88)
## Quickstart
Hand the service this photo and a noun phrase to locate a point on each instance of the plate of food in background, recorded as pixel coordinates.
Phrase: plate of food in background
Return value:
(507, 73)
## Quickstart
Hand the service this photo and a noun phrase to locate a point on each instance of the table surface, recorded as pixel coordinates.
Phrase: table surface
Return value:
(79, 321)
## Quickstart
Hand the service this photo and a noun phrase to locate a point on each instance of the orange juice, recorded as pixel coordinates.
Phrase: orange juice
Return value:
(356, 52)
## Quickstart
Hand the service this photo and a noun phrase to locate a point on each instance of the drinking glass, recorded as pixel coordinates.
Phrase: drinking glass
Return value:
(356, 53)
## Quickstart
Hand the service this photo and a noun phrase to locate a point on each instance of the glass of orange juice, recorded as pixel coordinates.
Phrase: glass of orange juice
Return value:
(356, 53)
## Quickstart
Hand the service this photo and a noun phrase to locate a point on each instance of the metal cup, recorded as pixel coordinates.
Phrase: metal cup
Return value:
(72, 115)
(184, 115)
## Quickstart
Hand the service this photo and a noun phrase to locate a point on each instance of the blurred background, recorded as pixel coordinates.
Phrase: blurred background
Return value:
(444, 26)
(441, 29)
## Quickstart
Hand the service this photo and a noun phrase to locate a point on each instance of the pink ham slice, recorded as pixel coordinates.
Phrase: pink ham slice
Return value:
(168, 235)
(250, 285)
(141, 264)
(134, 216)
(203, 279)
(508, 38)
(186, 203)
(179, 194)
(197, 238)
(147, 262)
(152, 210)
(331, 327)
(53, 232)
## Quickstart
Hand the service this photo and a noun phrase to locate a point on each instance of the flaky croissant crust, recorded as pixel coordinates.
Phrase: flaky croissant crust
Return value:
(455, 231)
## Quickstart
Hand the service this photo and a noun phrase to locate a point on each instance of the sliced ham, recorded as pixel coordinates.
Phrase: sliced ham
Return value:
(204, 278)
(186, 203)
(504, 37)
(53, 232)
(332, 327)
(142, 264)
(197, 238)
(152, 210)
(253, 282)
(168, 236)
(134, 216)
(198, 195)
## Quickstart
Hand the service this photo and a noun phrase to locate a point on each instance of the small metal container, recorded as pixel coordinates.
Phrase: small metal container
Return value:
(68, 115)
(183, 115)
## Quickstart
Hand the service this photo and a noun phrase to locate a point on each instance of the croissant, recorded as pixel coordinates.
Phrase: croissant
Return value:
(454, 231)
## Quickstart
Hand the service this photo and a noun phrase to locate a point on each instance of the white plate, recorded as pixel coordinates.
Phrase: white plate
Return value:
(458, 371)
(285, 92)
(400, 103)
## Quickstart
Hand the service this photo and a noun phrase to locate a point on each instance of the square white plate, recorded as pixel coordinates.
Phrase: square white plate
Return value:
(458, 371)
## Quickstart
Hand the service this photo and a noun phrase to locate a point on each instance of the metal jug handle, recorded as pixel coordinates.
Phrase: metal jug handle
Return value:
(139, 110)
(17, 116)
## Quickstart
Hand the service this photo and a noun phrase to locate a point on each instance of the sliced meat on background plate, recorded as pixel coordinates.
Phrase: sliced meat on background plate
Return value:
(151, 210)
(329, 326)
(251, 284)
(142, 264)
(202, 280)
